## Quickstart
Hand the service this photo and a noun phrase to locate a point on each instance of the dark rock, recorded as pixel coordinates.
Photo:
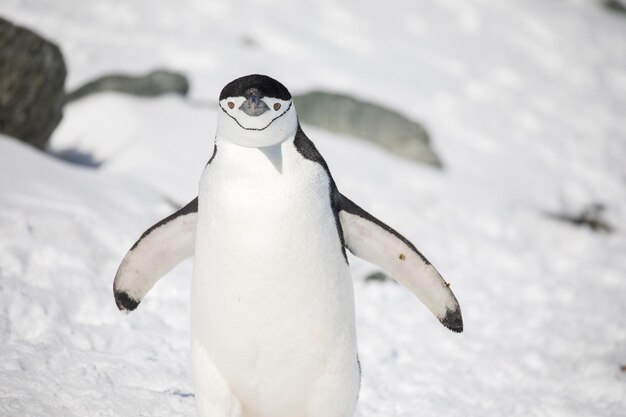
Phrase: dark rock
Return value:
(377, 276)
(153, 84)
(590, 216)
(32, 80)
(78, 157)
(249, 41)
(616, 6)
(347, 115)
(182, 394)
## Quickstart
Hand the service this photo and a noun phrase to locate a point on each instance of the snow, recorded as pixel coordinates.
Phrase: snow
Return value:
(525, 101)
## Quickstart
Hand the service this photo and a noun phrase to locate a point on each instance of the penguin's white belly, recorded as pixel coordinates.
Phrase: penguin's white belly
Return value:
(272, 298)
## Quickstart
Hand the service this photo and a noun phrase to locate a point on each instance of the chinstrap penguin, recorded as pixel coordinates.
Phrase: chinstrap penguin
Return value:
(272, 305)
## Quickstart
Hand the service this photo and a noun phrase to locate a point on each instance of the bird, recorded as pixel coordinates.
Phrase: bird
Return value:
(273, 330)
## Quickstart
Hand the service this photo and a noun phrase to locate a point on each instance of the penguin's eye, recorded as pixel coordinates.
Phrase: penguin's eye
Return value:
(231, 105)
(276, 106)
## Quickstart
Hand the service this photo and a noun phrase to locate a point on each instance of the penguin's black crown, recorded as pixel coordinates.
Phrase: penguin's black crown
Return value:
(255, 84)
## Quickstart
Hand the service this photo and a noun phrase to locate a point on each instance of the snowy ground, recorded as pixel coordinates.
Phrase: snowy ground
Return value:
(526, 103)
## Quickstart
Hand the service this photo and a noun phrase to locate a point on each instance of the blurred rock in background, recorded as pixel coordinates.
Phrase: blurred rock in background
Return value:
(349, 116)
(618, 6)
(153, 84)
(378, 276)
(32, 79)
(590, 216)
(32, 97)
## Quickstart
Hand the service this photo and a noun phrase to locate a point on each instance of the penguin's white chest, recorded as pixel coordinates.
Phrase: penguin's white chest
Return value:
(272, 298)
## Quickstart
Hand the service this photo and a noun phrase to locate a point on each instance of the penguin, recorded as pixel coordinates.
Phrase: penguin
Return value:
(272, 304)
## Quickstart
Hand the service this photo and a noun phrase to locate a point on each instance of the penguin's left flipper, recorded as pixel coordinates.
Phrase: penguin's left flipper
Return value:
(158, 250)
(370, 239)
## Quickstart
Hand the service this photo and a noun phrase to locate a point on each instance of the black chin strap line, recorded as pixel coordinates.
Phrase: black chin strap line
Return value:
(252, 128)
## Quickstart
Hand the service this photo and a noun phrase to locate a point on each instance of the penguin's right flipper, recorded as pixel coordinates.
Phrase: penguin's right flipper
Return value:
(369, 238)
(158, 250)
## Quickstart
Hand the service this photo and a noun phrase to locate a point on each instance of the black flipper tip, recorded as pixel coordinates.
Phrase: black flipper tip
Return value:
(124, 302)
(453, 320)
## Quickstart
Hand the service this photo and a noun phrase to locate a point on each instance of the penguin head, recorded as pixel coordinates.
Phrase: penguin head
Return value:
(256, 111)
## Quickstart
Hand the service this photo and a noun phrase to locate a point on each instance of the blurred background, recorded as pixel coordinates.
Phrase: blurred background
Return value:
(492, 134)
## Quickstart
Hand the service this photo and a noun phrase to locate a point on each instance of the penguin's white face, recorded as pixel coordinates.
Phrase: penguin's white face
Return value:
(256, 111)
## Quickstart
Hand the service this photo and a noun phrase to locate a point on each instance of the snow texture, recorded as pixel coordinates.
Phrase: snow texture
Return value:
(525, 102)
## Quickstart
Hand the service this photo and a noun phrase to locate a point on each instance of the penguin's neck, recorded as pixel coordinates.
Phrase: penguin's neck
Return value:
(251, 188)
(262, 181)
(254, 161)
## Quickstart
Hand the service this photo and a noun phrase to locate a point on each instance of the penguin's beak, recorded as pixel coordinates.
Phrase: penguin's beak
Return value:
(254, 106)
